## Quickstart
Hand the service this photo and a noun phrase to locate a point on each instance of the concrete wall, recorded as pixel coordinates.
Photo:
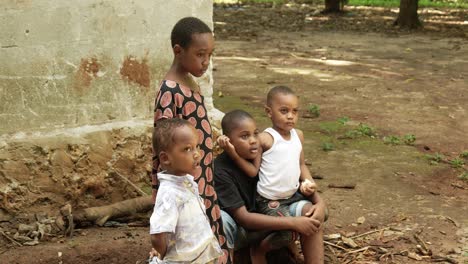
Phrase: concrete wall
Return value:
(78, 81)
(72, 63)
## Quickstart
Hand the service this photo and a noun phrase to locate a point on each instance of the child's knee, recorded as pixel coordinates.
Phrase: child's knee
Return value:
(306, 208)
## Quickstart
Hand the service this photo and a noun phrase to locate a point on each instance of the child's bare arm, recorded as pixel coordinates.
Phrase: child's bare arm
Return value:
(255, 221)
(159, 242)
(308, 185)
(250, 168)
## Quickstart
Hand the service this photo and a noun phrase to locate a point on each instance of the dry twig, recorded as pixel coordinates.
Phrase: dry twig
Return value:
(357, 250)
(370, 232)
(334, 245)
(11, 239)
(130, 183)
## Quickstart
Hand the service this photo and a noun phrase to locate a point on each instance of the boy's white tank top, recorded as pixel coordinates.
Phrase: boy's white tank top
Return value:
(280, 167)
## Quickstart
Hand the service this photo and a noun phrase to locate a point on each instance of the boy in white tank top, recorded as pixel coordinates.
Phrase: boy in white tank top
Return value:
(284, 178)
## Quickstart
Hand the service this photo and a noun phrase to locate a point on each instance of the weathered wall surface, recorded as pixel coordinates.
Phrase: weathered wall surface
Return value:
(73, 63)
(77, 85)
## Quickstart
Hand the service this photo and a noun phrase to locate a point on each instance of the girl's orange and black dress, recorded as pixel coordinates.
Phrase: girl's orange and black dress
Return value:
(175, 100)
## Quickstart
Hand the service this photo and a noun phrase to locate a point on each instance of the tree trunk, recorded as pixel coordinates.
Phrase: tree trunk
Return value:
(408, 15)
(332, 6)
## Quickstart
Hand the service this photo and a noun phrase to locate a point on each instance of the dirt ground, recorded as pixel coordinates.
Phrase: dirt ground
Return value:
(353, 65)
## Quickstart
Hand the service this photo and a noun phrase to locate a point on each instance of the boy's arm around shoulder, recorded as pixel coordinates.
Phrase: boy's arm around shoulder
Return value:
(250, 168)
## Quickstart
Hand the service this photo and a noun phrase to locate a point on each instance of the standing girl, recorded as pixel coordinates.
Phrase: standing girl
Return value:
(179, 96)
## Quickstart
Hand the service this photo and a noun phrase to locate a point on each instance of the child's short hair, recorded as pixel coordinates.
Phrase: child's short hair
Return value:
(232, 119)
(163, 133)
(278, 90)
(184, 29)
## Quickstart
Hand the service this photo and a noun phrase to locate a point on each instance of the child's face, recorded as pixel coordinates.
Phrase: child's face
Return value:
(283, 112)
(195, 58)
(183, 157)
(245, 139)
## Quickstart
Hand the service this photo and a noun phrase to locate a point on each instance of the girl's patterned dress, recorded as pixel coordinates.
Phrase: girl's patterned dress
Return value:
(175, 100)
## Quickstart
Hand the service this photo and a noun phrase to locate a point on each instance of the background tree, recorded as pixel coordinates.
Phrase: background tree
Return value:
(408, 15)
(334, 6)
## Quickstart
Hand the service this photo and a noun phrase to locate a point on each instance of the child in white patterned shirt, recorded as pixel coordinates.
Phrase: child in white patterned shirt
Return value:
(179, 228)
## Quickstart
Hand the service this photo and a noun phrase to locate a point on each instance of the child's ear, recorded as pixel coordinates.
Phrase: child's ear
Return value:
(268, 110)
(164, 158)
(177, 49)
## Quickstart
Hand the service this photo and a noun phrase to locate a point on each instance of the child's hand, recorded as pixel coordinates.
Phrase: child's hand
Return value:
(225, 143)
(153, 253)
(307, 188)
(317, 212)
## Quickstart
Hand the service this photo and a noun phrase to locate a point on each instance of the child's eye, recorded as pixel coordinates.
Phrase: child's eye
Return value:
(245, 136)
(188, 149)
(284, 111)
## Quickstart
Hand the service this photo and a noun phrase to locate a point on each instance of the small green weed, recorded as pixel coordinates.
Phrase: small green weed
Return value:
(314, 110)
(409, 139)
(343, 120)
(361, 130)
(330, 126)
(366, 130)
(435, 159)
(393, 140)
(463, 176)
(327, 146)
(464, 154)
(457, 163)
(352, 134)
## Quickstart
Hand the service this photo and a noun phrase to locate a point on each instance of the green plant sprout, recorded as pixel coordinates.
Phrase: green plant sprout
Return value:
(327, 146)
(366, 130)
(343, 120)
(393, 140)
(314, 110)
(409, 139)
(464, 154)
(457, 163)
(435, 159)
(463, 176)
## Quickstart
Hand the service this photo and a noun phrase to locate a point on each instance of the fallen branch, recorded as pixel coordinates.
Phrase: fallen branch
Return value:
(100, 215)
(443, 258)
(343, 186)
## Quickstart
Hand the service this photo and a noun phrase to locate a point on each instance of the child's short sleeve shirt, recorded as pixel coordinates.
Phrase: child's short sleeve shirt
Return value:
(179, 212)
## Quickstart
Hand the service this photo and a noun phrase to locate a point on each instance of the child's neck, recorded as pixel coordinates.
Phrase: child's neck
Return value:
(286, 134)
(180, 76)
